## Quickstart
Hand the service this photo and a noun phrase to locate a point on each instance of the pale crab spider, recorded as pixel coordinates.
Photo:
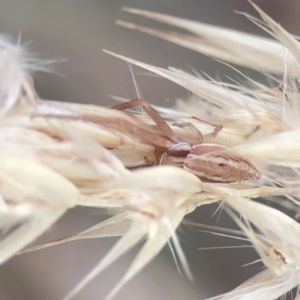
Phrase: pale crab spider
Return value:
(208, 161)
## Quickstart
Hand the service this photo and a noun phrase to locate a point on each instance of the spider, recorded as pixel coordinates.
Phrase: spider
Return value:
(210, 162)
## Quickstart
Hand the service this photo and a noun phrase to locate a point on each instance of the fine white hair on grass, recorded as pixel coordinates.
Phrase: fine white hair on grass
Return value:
(86, 155)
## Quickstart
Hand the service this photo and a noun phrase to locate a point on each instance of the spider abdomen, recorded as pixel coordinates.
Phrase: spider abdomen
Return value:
(216, 163)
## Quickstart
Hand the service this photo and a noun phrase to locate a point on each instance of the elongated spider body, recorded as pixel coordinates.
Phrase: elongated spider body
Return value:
(215, 163)
(210, 162)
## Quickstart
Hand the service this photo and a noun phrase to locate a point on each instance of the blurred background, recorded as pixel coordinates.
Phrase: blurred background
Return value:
(77, 31)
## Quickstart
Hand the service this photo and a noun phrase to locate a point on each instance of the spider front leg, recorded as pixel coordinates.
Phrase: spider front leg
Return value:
(193, 128)
(159, 121)
(197, 132)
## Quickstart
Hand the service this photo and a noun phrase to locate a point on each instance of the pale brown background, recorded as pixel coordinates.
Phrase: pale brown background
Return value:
(77, 30)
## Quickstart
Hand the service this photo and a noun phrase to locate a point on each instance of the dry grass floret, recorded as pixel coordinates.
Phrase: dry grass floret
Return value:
(57, 155)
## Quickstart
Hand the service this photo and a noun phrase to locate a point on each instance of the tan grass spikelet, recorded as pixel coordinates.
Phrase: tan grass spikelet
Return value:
(282, 132)
(72, 154)
(277, 242)
(156, 207)
(222, 43)
(31, 203)
(239, 105)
